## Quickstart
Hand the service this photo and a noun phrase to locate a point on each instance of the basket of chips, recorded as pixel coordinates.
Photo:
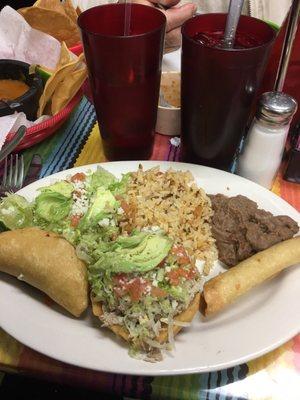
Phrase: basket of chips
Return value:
(42, 36)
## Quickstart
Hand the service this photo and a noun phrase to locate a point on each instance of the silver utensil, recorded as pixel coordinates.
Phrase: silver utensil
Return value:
(289, 38)
(234, 13)
(9, 147)
(34, 170)
(13, 174)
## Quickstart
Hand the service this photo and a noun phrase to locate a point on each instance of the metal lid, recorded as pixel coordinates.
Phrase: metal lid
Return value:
(276, 108)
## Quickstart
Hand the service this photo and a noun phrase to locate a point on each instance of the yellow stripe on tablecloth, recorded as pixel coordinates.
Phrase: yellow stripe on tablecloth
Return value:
(10, 350)
(273, 376)
(92, 151)
(276, 185)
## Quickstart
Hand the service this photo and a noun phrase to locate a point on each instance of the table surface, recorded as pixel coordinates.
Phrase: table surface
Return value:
(273, 376)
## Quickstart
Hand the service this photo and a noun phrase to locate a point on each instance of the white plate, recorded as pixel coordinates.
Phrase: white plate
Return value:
(261, 321)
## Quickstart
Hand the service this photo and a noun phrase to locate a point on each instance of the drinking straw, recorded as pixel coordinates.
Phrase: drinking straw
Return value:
(127, 17)
(234, 13)
(287, 45)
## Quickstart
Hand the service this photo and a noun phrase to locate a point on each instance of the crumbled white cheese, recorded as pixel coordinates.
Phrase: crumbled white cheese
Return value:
(168, 269)
(104, 222)
(7, 211)
(174, 304)
(150, 229)
(120, 211)
(155, 228)
(155, 283)
(80, 201)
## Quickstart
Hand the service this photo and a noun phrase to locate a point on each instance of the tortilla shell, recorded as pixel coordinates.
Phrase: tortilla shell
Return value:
(47, 262)
(185, 316)
(225, 288)
(52, 22)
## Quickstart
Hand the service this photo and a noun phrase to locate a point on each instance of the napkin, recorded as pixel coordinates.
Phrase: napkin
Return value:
(10, 123)
(18, 41)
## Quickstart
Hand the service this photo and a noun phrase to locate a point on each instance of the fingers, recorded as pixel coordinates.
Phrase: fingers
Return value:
(144, 2)
(178, 15)
(165, 3)
(173, 39)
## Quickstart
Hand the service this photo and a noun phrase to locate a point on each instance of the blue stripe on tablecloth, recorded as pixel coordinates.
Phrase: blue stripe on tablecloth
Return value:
(74, 133)
(214, 385)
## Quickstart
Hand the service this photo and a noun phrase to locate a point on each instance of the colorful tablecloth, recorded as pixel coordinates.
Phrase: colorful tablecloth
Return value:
(273, 376)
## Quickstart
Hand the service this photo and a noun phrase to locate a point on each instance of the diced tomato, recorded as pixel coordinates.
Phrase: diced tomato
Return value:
(77, 193)
(192, 273)
(125, 206)
(119, 292)
(80, 176)
(75, 220)
(178, 250)
(120, 279)
(184, 260)
(135, 287)
(181, 255)
(175, 275)
(158, 292)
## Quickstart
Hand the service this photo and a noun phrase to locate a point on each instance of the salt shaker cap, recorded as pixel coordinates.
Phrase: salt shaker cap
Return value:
(276, 108)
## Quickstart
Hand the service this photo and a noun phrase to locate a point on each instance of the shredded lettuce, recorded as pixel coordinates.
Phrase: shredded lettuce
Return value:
(118, 188)
(62, 187)
(100, 178)
(15, 212)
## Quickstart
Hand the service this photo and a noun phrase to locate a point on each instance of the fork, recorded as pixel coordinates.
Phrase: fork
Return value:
(13, 174)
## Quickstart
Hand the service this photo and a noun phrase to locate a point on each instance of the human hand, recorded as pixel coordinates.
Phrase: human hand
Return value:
(176, 16)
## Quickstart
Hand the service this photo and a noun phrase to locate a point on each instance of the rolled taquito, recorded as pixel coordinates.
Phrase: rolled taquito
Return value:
(227, 287)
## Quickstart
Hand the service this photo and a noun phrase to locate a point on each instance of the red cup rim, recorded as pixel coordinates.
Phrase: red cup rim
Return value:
(153, 9)
(245, 50)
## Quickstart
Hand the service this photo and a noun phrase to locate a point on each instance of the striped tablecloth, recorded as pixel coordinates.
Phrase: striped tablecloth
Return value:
(273, 376)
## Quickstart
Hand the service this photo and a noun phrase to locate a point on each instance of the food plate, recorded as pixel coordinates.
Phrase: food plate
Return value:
(259, 322)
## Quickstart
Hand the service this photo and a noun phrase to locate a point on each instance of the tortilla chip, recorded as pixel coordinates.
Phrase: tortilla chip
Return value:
(67, 89)
(70, 11)
(185, 316)
(65, 68)
(54, 5)
(55, 23)
(65, 56)
(48, 262)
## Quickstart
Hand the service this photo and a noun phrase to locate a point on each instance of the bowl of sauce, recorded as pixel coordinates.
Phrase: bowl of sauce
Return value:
(20, 90)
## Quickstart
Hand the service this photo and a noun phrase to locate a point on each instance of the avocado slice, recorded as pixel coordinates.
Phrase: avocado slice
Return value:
(104, 204)
(145, 256)
(62, 187)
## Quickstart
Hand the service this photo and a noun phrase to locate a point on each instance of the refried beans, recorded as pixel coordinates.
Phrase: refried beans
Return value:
(241, 229)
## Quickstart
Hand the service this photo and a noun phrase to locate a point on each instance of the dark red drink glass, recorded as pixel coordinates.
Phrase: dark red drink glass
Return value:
(124, 72)
(219, 86)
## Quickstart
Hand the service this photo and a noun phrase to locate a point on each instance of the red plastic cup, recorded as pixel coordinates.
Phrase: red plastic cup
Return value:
(124, 73)
(219, 88)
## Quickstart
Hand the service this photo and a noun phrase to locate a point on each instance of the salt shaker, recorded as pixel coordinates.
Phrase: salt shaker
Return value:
(265, 142)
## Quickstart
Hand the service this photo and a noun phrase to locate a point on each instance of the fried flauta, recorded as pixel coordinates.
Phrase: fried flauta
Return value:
(226, 288)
